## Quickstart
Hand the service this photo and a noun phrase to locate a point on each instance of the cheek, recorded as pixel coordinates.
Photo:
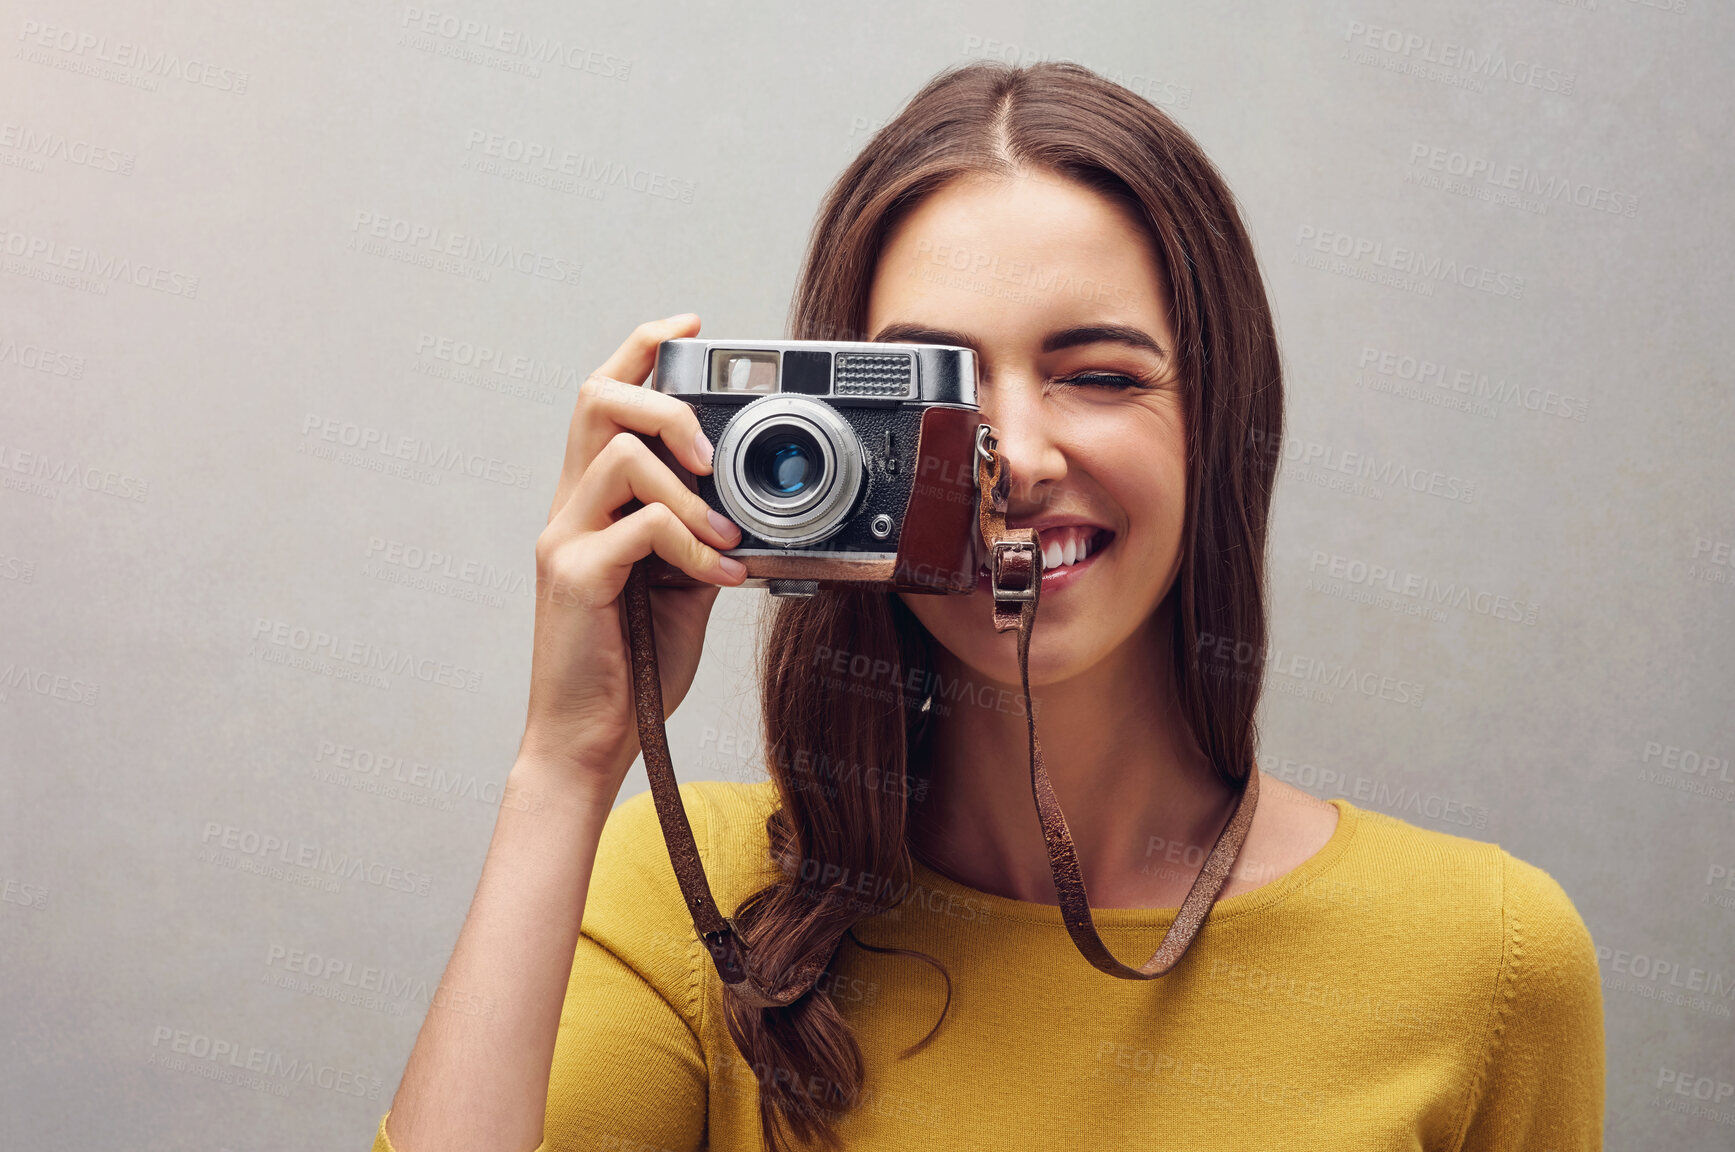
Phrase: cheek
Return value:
(1141, 465)
(1150, 491)
(1156, 515)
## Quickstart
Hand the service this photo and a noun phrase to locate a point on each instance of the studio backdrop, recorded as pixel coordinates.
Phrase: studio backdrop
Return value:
(294, 306)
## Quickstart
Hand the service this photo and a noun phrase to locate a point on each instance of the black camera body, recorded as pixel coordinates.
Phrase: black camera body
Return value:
(842, 462)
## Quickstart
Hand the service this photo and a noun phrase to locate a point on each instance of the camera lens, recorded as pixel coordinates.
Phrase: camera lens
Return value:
(788, 469)
(784, 462)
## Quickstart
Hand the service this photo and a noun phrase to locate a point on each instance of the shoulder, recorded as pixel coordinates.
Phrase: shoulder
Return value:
(1428, 871)
(1552, 963)
(634, 907)
(1433, 882)
(1542, 1070)
(1510, 919)
(1464, 877)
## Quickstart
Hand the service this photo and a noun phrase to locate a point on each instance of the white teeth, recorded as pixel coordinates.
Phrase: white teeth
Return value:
(1067, 546)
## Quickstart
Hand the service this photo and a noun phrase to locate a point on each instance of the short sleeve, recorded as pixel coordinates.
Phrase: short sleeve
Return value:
(1541, 1084)
(628, 1072)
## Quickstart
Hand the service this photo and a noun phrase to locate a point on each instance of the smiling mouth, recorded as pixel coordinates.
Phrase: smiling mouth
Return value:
(1063, 549)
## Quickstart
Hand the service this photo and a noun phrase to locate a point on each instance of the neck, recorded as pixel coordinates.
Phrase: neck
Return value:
(1125, 768)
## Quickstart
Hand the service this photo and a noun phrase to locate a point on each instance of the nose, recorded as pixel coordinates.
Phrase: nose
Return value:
(1028, 438)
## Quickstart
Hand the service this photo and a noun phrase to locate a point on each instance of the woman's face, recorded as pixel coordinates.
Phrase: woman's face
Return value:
(1057, 289)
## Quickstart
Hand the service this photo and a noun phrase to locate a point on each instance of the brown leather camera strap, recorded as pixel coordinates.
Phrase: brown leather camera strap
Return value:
(728, 951)
(1015, 577)
(1015, 574)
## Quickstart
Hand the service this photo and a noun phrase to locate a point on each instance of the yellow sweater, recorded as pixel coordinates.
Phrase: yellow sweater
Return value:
(1402, 989)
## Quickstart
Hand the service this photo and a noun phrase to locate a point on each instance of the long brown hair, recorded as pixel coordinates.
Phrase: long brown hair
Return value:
(840, 749)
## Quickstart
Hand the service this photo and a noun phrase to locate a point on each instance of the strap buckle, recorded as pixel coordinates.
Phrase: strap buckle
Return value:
(724, 947)
(1001, 592)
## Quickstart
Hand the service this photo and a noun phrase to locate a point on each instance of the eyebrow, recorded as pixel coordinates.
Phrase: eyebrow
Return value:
(1053, 342)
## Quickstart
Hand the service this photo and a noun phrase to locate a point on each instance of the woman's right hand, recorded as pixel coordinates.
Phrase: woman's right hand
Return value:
(581, 722)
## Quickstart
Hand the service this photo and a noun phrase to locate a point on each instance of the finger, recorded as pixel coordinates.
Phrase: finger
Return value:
(600, 561)
(637, 355)
(608, 407)
(625, 470)
(620, 381)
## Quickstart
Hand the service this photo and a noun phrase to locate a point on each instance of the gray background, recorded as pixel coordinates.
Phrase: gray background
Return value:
(165, 514)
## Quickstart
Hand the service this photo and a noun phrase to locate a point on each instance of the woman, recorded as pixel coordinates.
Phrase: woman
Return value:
(1360, 983)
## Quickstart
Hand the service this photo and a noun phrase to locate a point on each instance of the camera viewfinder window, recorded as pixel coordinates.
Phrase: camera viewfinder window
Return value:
(738, 371)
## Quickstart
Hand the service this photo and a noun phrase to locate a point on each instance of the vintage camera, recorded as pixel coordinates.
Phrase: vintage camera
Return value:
(841, 462)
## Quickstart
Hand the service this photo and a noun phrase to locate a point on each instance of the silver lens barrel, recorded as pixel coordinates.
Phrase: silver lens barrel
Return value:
(789, 469)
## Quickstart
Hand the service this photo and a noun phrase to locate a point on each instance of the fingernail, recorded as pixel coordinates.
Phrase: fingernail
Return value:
(724, 526)
(702, 446)
(732, 567)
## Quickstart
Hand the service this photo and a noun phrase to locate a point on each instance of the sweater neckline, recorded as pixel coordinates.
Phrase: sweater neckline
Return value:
(1309, 870)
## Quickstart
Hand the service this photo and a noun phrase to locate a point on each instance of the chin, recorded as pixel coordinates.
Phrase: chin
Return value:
(1068, 640)
(1055, 655)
